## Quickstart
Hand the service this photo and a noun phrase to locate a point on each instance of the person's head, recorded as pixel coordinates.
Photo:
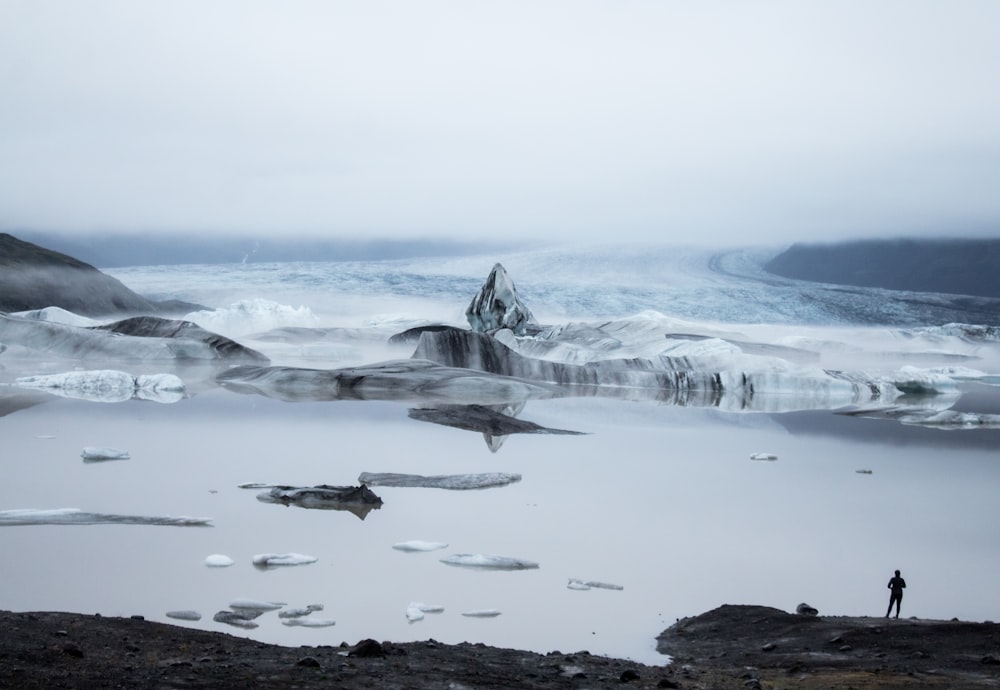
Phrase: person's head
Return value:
(897, 573)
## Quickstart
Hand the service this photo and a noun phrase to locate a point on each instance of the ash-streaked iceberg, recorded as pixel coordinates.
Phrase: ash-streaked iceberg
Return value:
(184, 615)
(107, 386)
(309, 622)
(276, 560)
(359, 500)
(482, 561)
(299, 612)
(457, 482)
(74, 516)
(497, 305)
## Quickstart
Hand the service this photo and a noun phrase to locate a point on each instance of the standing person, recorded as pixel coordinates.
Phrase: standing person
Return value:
(896, 585)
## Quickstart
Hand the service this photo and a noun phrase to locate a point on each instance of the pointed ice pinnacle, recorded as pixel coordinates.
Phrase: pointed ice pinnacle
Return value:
(497, 305)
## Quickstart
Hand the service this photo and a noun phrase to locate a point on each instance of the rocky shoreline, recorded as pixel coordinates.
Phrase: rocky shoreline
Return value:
(729, 647)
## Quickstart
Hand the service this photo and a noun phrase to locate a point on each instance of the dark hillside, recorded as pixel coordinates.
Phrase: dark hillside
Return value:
(961, 267)
(32, 277)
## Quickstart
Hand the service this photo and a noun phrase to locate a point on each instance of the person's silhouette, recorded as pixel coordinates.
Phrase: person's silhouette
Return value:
(896, 586)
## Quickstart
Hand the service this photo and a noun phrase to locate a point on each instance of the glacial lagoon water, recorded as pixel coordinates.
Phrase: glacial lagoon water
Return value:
(661, 500)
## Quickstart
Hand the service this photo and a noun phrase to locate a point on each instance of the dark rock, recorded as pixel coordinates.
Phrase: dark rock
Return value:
(628, 675)
(806, 610)
(308, 661)
(72, 650)
(367, 648)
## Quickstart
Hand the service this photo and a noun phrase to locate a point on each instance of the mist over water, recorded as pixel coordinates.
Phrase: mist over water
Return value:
(660, 499)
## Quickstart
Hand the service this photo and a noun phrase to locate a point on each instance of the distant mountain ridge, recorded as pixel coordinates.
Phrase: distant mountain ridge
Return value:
(959, 266)
(114, 251)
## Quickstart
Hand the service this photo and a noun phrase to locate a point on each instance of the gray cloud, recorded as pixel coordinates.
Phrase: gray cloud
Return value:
(719, 122)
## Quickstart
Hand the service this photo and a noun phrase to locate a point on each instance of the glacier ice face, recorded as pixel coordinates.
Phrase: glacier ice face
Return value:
(459, 482)
(497, 305)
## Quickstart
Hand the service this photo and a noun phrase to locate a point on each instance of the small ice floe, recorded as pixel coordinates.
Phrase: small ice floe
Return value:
(255, 605)
(45, 436)
(107, 385)
(455, 482)
(863, 471)
(488, 562)
(481, 613)
(101, 453)
(218, 560)
(576, 583)
(299, 612)
(186, 615)
(415, 610)
(239, 619)
(416, 545)
(309, 622)
(763, 456)
(359, 500)
(73, 516)
(268, 560)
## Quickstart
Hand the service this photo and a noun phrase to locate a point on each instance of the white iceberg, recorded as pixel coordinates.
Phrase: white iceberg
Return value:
(299, 612)
(488, 562)
(415, 610)
(413, 614)
(481, 613)
(309, 622)
(268, 560)
(107, 386)
(218, 560)
(255, 605)
(252, 315)
(186, 615)
(97, 453)
(416, 545)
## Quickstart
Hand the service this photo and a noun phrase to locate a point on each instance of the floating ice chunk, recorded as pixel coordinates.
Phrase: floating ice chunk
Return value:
(186, 615)
(916, 381)
(98, 453)
(863, 471)
(218, 560)
(267, 560)
(577, 584)
(481, 613)
(603, 585)
(309, 622)
(236, 618)
(413, 614)
(415, 610)
(445, 481)
(488, 562)
(73, 516)
(763, 456)
(255, 605)
(416, 545)
(300, 612)
(107, 385)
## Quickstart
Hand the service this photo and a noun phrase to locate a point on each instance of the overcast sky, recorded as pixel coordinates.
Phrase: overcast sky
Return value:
(717, 122)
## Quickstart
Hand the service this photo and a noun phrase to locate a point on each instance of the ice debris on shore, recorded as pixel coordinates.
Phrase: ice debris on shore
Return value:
(99, 453)
(416, 545)
(488, 562)
(267, 560)
(218, 560)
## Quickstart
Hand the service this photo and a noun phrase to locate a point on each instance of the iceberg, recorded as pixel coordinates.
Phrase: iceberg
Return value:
(272, 560)
(497, 305)
(415, 610)
(309, 622)
(186, 615)
(359, 500)
(481, 613)
(299, 612)
(457, 482)
(418, 546)
(256, 605)
(57, 315)
(253, 315)
(73, 516)
(97, 454)
(481, 561)
(107, 386)
(218, 560)
(145, 338)
(236, 619)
